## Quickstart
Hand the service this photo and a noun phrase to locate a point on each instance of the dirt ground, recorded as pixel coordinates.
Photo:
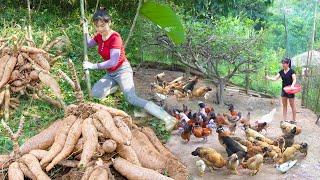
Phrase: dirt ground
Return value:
(306, 168)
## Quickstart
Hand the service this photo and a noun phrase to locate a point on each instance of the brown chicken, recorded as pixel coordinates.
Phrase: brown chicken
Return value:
(290, 152)
(201, 91)
(254, 163)
(233, 163)
(281, 144)
(271, 153)
(201, 132)
(176, 86)
(232, 110)
(252, 150)
(185, 135)
(178, 94)
(211, 157)
(260, 126)
(221, 120)
(159, 89)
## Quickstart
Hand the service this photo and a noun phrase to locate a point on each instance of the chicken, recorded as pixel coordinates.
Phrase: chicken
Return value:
(254, 163)
(252, 133)
(233, 121)
(221, 120)
(252, 150)
(232, 111)
(268, 117)
(287, 127)
(178, 94)
(281, 144)
(201, 132)
(190, 85)
(289, 138)
(201, 166)
(222, 133)
(260, 126)
(290, 152)
(201, 91)
(159, 89)
(271, 153)
(204, 109)
(233, 163)
(211, 157)
(231, 145)
(176, 86)
(159, 78)
(185, 135)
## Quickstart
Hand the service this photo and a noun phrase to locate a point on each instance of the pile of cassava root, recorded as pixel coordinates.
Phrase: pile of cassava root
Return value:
(22, 67)
(91, 138)
(97, 142)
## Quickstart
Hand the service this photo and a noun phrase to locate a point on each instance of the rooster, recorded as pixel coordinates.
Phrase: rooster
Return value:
(186, 134)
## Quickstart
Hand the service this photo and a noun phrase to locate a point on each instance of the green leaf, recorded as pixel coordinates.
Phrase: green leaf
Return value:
(164, 17)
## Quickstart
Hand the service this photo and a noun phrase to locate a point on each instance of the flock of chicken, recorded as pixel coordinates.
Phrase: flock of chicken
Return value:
(248, 153)
(179, 88)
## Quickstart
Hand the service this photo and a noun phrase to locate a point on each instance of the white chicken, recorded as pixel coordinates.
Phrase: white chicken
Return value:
(201, 166)
(268, 117)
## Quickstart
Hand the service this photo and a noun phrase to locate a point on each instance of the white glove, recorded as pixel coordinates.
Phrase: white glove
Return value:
(89, 65)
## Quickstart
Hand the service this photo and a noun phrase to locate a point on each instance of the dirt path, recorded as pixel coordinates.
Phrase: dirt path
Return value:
(306, 168)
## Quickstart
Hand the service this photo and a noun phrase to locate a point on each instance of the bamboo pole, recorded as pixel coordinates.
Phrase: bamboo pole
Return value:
(29, 20)
(85, 47)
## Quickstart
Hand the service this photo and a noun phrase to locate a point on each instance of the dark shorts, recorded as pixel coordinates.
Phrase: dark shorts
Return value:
(284, 94)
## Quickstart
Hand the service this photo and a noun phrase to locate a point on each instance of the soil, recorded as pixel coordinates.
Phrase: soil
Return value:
(306, 168)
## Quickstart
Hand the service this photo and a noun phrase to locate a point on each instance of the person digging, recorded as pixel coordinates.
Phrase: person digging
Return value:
(119, 71)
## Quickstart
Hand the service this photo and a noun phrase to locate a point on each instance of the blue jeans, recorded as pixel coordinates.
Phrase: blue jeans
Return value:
(122, 77)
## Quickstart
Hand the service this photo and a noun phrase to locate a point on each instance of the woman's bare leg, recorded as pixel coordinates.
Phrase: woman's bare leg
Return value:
(293, 108)
(284, 107)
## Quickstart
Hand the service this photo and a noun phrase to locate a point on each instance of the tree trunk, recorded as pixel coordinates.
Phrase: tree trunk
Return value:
(247, 78)
(220, 92)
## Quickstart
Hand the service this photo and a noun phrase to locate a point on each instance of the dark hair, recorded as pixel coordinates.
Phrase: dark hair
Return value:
(286, 61)
(101, 15)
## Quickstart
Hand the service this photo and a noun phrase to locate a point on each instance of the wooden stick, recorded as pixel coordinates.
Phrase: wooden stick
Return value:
(85, 47)
(29, 22)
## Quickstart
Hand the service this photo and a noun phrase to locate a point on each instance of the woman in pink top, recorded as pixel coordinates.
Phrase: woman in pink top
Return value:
(119, 71)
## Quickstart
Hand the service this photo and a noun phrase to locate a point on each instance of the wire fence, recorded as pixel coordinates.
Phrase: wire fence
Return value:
(311, 94)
